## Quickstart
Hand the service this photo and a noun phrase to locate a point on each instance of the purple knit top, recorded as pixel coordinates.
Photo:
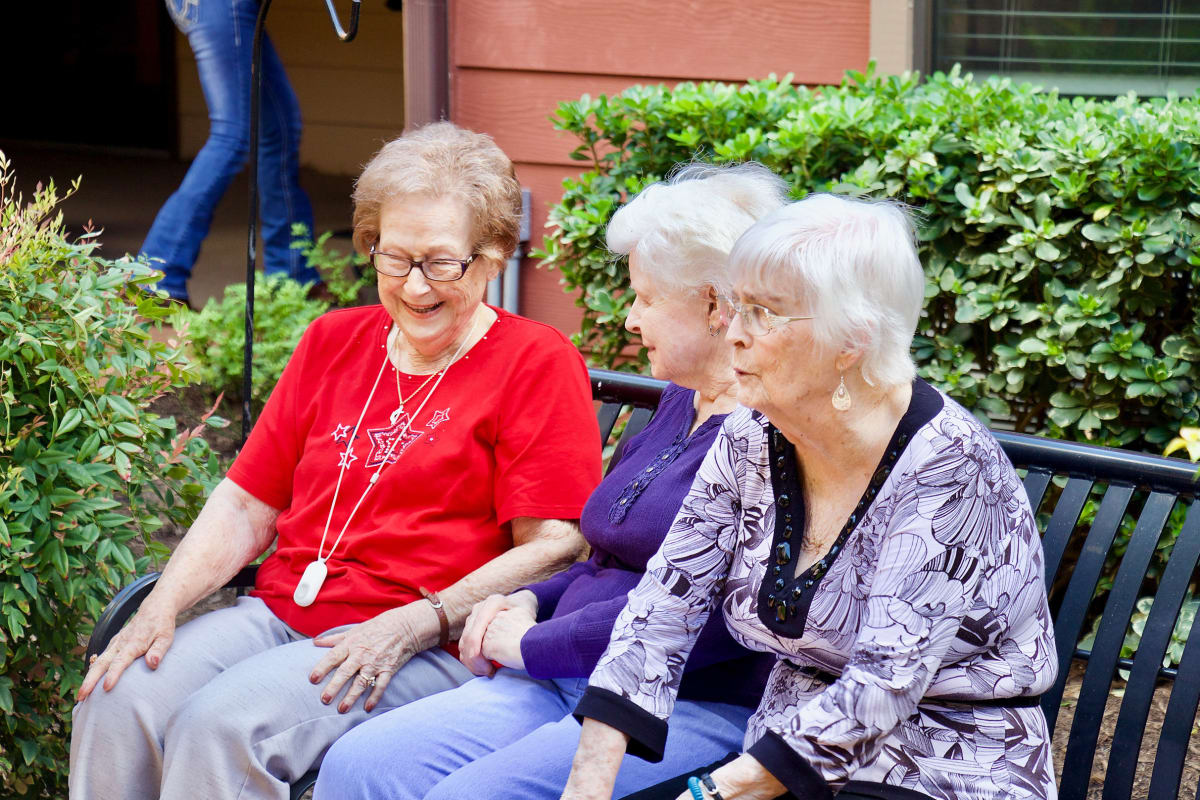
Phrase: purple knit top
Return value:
(625, 521)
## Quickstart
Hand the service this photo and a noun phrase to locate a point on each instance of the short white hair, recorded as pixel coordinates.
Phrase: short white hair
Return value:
(852, 264)
(683, 228)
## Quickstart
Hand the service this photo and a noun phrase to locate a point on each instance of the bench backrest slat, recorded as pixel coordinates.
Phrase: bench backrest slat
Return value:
(1156, 636)
(606, 418)
(1062, 524)
(1106, 652)
(1068, 625)
(633, 426)
(1036, 482)
(1180, 717)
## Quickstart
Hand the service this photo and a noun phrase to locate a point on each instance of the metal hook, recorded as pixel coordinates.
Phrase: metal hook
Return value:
(337, 23)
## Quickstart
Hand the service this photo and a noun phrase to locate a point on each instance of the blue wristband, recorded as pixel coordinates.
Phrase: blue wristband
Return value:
(694, 788)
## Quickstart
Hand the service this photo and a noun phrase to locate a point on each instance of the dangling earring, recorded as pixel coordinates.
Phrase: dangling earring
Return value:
(841, 396)
(713, 331)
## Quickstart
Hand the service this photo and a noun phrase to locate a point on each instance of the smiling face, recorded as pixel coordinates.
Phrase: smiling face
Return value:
(433, 316)
(673, 325)
(784, 369)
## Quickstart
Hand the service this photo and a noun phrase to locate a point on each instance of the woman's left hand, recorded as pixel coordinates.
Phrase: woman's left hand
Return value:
(744, 778)
(502, 641)
(369, 654)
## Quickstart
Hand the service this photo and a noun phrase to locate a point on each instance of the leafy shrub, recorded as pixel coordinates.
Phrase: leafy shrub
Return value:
(282, 310)
(1060, 237)
(86, 470)
(344, 275)
(1137, 624)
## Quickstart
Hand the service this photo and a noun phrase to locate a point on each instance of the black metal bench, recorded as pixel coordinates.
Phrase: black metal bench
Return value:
(1066, 482)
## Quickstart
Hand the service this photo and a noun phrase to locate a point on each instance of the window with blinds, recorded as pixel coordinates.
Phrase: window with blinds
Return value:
(1090, 47)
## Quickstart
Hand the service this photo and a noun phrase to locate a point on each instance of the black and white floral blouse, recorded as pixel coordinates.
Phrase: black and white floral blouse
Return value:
(913, 654)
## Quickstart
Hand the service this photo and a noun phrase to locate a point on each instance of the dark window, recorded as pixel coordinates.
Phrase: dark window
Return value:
(1092, 47)
(91, 72)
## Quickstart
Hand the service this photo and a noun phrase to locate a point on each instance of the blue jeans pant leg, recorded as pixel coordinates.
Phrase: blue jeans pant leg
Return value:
(536, 766)
(221, 34)
(404, 753)
(282, 203)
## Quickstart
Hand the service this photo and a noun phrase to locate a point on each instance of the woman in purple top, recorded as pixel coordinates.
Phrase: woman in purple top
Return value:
(511, 733)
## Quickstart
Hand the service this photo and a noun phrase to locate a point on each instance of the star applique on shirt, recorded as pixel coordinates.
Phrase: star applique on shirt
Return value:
(381, 440)
(341, 433)
(346, 458)
(438, 418)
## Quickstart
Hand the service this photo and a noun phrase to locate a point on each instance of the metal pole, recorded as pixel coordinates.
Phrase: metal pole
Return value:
(512, 275)
(260, 29)
(252, 228)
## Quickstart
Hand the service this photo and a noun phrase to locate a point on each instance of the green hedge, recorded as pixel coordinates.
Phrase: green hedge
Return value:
(1060, 236)
(282, 310)
(87, 471)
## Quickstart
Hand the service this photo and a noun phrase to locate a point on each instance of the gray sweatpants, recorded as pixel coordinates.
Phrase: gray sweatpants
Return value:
(229, 713)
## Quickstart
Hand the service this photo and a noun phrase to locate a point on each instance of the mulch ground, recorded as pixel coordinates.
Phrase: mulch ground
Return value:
(1154, 724)
(188, 405)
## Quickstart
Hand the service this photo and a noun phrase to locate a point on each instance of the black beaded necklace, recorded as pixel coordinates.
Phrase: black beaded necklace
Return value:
(785, 596)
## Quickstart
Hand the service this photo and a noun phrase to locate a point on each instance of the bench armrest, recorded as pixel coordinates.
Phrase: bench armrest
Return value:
(118, 611)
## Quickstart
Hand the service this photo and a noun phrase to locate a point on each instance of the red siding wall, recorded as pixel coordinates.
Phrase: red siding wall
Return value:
(512, 61)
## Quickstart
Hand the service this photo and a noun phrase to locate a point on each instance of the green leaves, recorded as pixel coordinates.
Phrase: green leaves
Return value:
(70, 422)
(1061, 237)
(87, 470)
(282, 310)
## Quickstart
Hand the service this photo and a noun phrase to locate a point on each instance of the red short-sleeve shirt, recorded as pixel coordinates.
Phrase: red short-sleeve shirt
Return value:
(509, 432)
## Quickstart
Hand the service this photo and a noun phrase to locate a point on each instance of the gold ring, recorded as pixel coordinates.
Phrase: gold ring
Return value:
(367, 680)
(92, 660)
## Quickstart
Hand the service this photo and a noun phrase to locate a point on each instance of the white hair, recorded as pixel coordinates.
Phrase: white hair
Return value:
(851, 264)
(683, 228)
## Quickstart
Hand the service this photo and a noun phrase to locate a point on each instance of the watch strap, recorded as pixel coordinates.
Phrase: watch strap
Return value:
(440, 610)
(711, 786)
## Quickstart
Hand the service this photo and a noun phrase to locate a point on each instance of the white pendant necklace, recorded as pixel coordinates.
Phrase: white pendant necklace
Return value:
(315, 573)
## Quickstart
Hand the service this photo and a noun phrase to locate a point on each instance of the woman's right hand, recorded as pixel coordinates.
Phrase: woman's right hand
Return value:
(470, 643)
(148, 635)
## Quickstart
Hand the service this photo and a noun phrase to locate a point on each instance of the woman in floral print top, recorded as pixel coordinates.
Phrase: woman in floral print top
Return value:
(860, 525)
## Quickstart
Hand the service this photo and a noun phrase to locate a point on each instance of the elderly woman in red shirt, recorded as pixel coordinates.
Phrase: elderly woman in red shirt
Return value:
(432, 442)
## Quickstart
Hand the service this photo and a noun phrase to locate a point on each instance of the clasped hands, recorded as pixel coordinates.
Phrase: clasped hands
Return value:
(367, 656)
(492, 633)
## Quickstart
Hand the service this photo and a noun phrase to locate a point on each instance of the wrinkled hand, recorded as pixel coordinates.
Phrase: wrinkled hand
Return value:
(471, 643)
(149, 634)
(744, 778)
(502, 642)
(375, 649)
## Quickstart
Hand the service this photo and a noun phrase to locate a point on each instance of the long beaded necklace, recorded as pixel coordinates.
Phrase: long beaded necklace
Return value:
(315, 573)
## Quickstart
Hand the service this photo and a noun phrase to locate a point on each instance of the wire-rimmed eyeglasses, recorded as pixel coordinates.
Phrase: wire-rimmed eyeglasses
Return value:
(756, 319)
(434, 269)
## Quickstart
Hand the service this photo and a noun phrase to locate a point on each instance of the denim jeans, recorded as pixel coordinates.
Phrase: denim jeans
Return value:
(504, 738)
(221, 34)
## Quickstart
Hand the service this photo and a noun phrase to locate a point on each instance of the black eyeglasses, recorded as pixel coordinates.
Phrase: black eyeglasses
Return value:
(434, 269)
